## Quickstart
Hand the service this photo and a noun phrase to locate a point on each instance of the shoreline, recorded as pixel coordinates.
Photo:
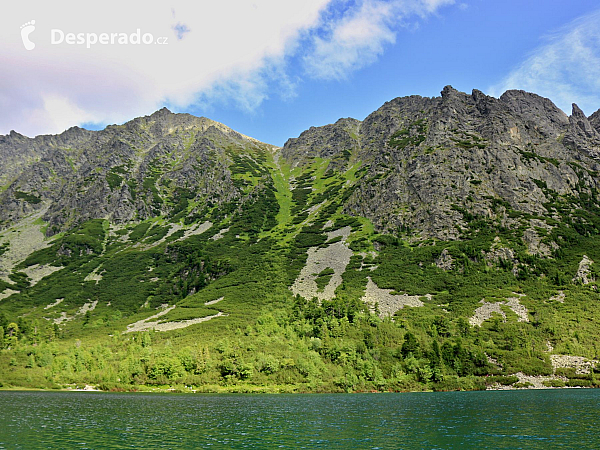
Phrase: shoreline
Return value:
(265, 390)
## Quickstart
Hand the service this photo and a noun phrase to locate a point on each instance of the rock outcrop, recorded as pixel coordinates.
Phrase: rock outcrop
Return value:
(429, 167)
(434, 164)
(125, 172)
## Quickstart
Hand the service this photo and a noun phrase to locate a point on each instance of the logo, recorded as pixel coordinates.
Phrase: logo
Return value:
(58, 37)
(26, 30)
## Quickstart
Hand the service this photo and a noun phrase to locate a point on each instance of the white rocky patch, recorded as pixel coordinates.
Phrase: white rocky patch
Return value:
(579, 363)
(169, 326)
(335, 256)
(532, 382)
(196, 229)
(37, 272)
(95, 275)
(220, 234)
(156, 325)
(515, 305)
(87, 307)
(145, 324)
(173, 229)
(65, 318)
(7, 293)
(56, 303)
(559, 297)
(493, 361)
(213, 302)
(531, 238)
(388, 303)
(583, 274)
(445, 261)
(498, 252)
(487, 310)
(343, 232)
(315, 208)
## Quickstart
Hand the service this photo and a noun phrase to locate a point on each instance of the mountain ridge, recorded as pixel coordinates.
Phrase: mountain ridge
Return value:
(411, 250)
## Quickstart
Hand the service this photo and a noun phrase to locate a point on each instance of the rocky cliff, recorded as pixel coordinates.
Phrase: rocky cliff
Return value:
(123, 173)
(428, 159)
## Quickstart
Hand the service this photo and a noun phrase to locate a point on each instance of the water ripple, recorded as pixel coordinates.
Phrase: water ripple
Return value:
(525, 419)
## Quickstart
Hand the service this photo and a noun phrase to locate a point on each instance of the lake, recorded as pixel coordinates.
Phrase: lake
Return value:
(565, 418)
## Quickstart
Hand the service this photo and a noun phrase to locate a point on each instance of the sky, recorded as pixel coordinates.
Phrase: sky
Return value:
(272, 68)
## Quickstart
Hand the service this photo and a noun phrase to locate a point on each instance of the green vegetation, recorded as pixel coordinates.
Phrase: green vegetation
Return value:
(30, 198)
(414, 135)
(69, 327)
(114, 177)
(323, 278)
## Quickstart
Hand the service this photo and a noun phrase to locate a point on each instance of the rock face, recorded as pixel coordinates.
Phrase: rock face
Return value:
(584, 271)
(434, 164)
(488, 309)
(445, 261)
(126, 172)
(579, 363)
(581, 135)
(324, 142)
(387, 303)
(595, 120)
(428, 167)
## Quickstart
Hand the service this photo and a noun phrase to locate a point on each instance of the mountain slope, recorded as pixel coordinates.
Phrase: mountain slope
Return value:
(437, 241)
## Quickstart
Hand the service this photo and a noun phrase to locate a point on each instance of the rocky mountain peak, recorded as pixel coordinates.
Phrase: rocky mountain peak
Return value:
(164, 111)
(484, 103)
(595, 120)
(327, 141)
(581, 135)
(449, 92)
(539, 112)
(579, 119)
(478, 95)
(347, 122)
(426, 159)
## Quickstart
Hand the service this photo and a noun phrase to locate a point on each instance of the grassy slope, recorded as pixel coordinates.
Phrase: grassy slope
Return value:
(270, 341)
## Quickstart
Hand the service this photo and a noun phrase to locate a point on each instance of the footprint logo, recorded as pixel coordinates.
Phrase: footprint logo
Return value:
(26, 30)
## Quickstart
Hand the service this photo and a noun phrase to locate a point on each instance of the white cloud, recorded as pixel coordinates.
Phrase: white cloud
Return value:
(360, 36)
(231, 50)
(565, 69)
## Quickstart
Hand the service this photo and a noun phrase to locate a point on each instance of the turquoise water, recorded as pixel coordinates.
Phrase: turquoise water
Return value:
(510, 419)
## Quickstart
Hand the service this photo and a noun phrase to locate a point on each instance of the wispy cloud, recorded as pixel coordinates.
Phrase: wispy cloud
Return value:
(566, 68)
(231, 51)
(360, 35)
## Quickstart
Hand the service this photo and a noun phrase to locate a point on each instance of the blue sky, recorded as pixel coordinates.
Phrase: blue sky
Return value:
(472, 47)
(271, 69)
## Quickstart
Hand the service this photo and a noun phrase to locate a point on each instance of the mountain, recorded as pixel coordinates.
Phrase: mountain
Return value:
(441, 243)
